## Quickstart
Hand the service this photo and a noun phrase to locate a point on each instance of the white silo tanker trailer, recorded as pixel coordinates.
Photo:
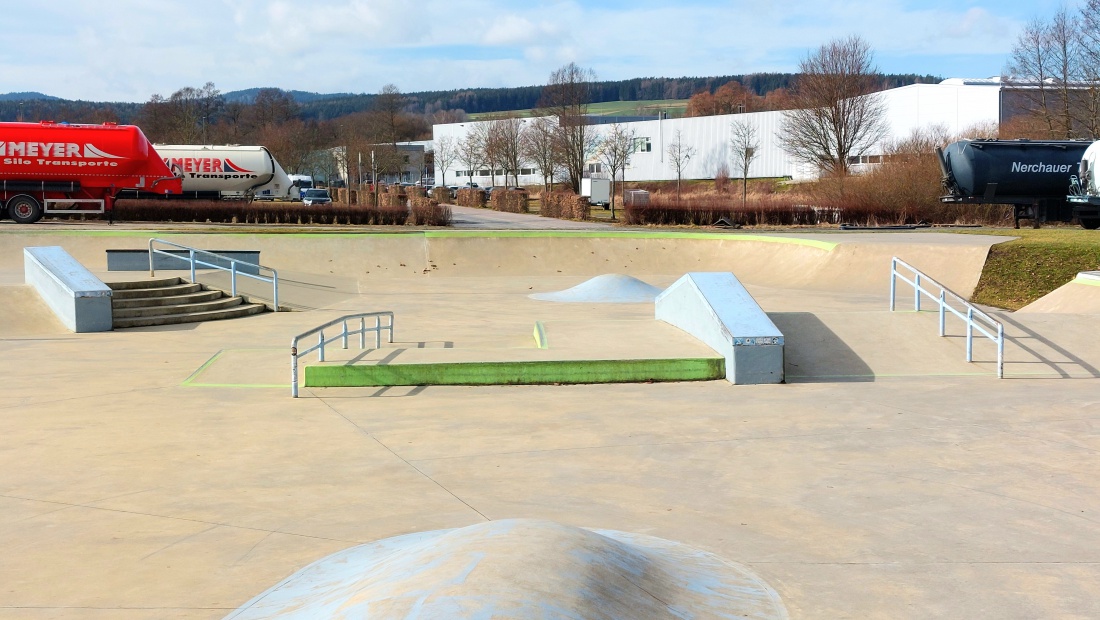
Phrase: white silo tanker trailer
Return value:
(1084, 193)
(1034, 176)
(216, 172)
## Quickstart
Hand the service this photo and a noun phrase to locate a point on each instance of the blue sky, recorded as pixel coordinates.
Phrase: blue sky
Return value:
(128, 50)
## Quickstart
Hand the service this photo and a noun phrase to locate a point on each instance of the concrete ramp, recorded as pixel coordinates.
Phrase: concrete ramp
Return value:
(611, 288)
(1080, 296)
(520, 568)
(716, 309)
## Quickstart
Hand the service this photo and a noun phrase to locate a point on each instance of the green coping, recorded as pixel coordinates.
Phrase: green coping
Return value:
(515, 373)
(439, 234)
(1087, 281)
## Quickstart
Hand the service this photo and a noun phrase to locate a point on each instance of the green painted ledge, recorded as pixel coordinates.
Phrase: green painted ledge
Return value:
(515, 373)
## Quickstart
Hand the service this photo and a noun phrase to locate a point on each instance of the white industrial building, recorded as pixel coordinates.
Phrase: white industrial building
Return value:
(955, 104)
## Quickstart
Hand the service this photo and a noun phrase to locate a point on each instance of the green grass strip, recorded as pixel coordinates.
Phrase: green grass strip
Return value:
(515, 373)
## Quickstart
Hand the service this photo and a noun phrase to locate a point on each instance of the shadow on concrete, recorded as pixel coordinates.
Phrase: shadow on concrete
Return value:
(1055, 365)
(814, 354)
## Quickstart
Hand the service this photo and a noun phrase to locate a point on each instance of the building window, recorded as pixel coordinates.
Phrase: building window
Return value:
(864, 159)
(527, 171)
(642, 145)
(595, 168)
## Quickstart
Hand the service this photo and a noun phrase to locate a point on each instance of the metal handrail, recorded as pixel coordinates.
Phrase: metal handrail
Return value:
(985, 321)
(343, 335)
(232, 269)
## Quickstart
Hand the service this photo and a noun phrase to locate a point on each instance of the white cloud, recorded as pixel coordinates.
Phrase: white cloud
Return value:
(140, 47)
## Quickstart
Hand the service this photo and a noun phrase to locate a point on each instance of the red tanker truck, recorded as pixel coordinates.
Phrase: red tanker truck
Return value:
(52, 167)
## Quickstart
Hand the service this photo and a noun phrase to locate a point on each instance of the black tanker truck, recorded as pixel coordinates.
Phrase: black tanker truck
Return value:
(1033, 176)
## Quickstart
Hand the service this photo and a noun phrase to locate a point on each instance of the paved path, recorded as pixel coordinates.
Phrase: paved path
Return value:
(487, 219)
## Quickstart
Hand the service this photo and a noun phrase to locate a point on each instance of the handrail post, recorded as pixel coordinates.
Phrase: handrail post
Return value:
(362, 333)
(970, 334)
(152, 272)
(377, 332)
(344, 336)
(321, 346)
(233, 277)
(192, 253)
(916, 292)
(391, 329)
(1000, 351)
(893, 281)
(943, 314)
(275, 283)
(294, 368)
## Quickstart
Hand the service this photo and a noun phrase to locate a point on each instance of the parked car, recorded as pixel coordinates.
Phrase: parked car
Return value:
(315, 196)
(454, 190)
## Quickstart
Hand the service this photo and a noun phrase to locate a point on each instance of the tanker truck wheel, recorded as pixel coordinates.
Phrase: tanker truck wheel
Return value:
(24, 210)
(1090, 223)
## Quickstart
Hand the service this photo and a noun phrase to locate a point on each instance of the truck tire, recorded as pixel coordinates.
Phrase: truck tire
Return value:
(1090, 223)
(24, 210)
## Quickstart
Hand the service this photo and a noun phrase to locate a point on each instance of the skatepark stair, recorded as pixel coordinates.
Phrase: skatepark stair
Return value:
(170, 301)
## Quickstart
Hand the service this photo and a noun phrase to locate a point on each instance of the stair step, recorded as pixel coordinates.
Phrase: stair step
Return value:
(147, 302)
(204, 306)
(191, 317)
(150, 283)
(164, 291)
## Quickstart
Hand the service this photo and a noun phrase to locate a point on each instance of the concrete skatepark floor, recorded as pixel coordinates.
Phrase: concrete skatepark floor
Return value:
(166, 473)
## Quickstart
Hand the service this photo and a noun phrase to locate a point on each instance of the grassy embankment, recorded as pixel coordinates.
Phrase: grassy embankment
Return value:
(1019, 272)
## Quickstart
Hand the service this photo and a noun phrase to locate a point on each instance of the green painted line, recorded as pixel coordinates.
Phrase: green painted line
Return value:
(540, 336)
(1086, 280)
(202, 369)
(281, 386)
(441, 234)
(595, 234)
(515, 373)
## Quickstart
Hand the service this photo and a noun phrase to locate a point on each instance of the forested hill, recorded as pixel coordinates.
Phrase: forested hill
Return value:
(315, 106)
(479, 100)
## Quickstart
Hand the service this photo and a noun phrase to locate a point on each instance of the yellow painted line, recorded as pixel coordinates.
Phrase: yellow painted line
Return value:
(202, 369)
(540, 336)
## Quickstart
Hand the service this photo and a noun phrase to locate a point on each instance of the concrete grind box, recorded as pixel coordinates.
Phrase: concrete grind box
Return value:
(717, 309)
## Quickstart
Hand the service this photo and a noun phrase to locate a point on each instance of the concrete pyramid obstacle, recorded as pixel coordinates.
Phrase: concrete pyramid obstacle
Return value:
(519, 569)
(611, 288)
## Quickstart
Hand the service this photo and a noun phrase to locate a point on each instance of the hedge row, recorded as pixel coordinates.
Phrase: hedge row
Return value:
(470, 197)
(564, 205)
(509, 200)
(428, 212)
(239, 212)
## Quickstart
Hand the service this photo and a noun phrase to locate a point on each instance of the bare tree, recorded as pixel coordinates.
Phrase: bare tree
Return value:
(743, 146)
(183, 117)
(539, 148)
(615, 152)
(507, 136)
(566, 98)
(679, 154)
(836, 117)
(1044, 65)
(446, 151)
(471, 150)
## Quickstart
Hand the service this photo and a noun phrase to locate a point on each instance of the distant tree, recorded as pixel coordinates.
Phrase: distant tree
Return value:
(566, 98)
(387, 107)
(446, 152)
(540, 148)
(1049, 69)
(615, 152)
(271, 107)
(679, 154)
(183, 117)
(471, 150)
(744, 143)
(834, 119)
(506, 134)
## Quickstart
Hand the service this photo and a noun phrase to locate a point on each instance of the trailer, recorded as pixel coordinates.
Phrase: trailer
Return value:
(1031, 175)
(598, 191)
(52, 167)
(227, 172)
(1084, 191)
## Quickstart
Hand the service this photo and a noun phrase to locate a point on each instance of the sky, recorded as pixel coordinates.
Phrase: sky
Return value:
(129, 50)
